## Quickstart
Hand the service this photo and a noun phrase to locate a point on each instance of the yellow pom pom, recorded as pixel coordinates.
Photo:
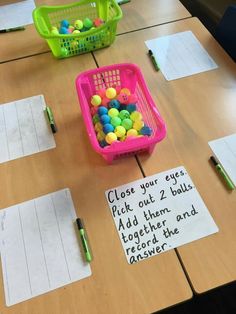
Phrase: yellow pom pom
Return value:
(120, 131)
(123, 138)
(101, 136)
(138, 124)
(110, 93)
(136, 115)
(113, 112)
(78, 24)
(132, 132)
(125, 91)
(98, 126)
(54, 31)
(96, 100)
(111, 137)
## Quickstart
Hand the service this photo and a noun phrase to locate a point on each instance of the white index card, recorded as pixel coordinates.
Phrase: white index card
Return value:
(39, 247)
(180, 55)
(16, 14)
(159, 213)
(24, 129)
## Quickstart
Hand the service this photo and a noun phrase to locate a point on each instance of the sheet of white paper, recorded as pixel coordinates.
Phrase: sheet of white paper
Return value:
(24, 129)
(16, 14)
(40, 250)
(180, 55)
(158, 213)
(224, 149)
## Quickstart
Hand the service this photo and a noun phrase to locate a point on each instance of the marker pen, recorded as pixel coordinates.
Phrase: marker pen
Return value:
(51, 119)
(156, 66)
(222, 172)
(84, 240)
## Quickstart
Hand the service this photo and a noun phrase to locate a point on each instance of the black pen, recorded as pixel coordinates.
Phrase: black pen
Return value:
(20, 28)
(123, 2)
(156, 66)
(51, 119)
(84, 240)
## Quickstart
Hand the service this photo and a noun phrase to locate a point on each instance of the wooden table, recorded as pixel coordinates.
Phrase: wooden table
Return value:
(139, 14)
(115, 286)
(196, 109)
(136, 14)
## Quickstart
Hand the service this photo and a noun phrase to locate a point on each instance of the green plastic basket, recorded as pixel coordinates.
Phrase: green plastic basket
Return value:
(67, 45)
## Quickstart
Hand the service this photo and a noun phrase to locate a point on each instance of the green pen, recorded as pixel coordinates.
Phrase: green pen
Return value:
(51, 119)
(156, 66)
(222, 172)
(84, 240)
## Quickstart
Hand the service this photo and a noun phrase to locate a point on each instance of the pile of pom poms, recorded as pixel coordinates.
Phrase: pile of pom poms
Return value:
(77, 27)
(115, 116)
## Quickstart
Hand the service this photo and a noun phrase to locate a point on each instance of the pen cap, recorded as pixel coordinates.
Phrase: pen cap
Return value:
(213, 160)
(79, 223)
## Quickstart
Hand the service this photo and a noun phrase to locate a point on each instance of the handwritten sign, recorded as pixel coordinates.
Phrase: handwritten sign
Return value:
(159, 213)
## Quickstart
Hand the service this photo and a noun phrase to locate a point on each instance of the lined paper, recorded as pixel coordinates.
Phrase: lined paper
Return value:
(180, 55)
(24, 129)
(16, 14)
(39, 246)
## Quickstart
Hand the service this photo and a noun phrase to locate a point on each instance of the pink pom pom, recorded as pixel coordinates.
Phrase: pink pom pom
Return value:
(93, 110)
(98, 22)
(123, 98)
(117, 88)
(133, 99)
(105, 101)
(101, 92)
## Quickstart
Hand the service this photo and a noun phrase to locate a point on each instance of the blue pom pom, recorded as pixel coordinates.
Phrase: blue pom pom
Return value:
(104, 119)
(107, 128)
(122, 107)
(102, 110)
(114, 103)
(65, 23)
(146, 130)
(131, 107)
(63, 30)
(103, 143)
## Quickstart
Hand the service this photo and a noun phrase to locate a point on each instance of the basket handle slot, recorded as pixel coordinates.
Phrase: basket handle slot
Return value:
(87, 91)
(42, 26)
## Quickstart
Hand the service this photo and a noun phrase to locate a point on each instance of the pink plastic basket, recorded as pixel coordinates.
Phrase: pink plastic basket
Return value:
(123, 75)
